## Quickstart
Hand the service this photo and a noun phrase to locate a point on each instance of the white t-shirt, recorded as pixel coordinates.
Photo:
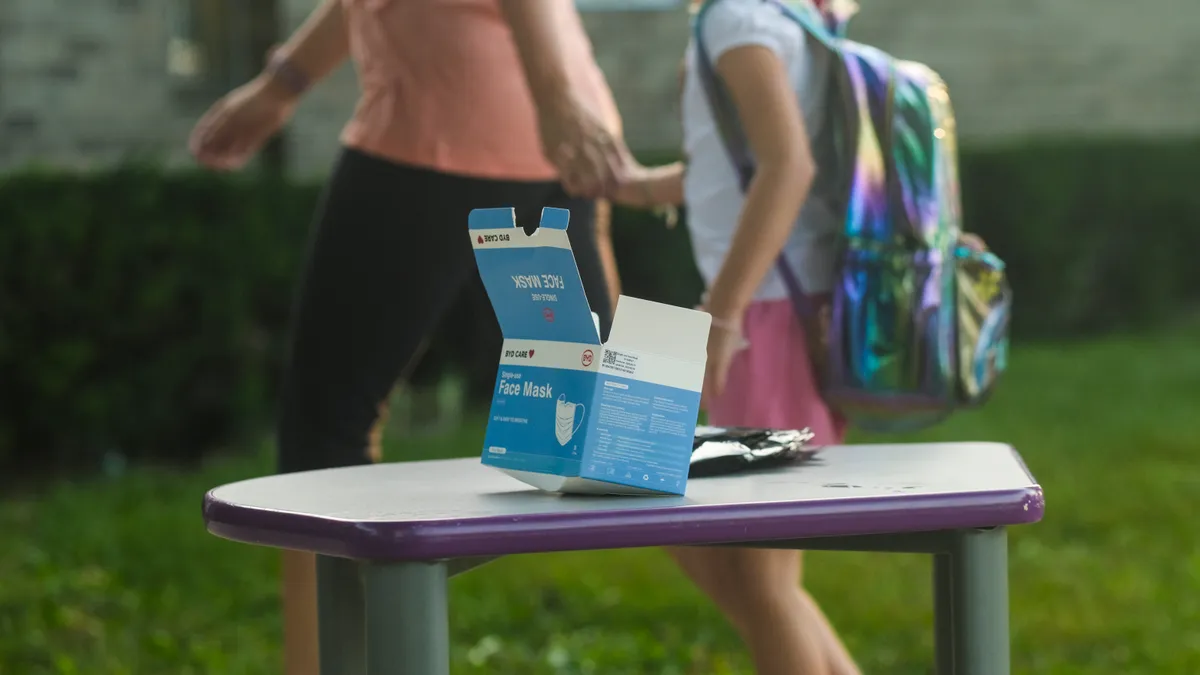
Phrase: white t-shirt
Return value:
(711, 188)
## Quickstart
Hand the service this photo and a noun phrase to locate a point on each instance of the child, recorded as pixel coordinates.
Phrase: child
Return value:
(758, 370)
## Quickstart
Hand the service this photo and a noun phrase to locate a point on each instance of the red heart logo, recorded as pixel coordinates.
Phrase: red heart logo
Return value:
(479, 239)
(531, 353)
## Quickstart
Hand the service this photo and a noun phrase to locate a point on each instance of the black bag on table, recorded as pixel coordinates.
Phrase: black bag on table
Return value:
(718, 451)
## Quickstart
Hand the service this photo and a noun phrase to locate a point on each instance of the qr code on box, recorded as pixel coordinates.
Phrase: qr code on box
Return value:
(619, 362)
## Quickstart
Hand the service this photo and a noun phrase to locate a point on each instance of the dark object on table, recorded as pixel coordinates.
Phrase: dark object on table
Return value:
(719, 451)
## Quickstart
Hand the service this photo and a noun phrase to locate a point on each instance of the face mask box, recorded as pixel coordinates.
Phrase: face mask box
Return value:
(570, 414)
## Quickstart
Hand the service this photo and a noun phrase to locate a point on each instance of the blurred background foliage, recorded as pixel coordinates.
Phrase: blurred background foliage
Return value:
(143, 313)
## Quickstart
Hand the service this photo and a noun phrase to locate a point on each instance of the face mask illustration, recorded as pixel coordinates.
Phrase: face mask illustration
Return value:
(565, 424)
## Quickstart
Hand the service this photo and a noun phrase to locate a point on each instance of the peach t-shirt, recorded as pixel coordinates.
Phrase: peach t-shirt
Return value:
(443, 87)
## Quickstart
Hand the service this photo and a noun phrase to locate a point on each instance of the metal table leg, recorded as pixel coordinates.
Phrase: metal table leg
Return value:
(978, 607)
(407, 624)
(943, 613)
(342, 635)
(970, 590)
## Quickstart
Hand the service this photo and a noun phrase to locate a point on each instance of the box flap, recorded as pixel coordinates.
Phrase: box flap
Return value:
(531, 279)
(663, 330)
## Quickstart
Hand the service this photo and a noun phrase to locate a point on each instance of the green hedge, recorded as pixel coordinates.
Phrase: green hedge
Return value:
(143, 313)
(1097, 236)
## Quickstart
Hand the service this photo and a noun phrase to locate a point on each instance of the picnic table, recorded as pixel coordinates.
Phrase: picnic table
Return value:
(388, 537)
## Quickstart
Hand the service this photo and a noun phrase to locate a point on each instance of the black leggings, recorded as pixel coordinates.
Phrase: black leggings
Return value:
(389, 253)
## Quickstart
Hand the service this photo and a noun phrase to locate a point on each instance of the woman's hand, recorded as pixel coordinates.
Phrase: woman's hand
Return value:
(236, 127)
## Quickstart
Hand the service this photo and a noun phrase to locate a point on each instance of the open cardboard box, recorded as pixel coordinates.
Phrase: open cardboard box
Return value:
(570, 414)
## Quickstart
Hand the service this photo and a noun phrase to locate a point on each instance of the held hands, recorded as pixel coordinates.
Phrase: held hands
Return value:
(635, 189)
(236, 127)
(590, 160)
(658, 189)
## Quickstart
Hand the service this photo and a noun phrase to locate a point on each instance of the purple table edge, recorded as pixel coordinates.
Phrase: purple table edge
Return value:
(382, 584)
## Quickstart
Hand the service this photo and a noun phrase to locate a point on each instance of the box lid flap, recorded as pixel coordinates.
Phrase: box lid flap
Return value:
(531, 279)
(665, 330)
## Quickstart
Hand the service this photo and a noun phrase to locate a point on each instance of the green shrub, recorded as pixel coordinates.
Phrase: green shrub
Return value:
(144, 313)
(1097, 236)
(141, 313)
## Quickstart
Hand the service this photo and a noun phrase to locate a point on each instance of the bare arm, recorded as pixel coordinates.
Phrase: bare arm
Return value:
(774, 126)
(239, 123)
(317, 47)
(589, 158)
(656, 186)
(534, 25)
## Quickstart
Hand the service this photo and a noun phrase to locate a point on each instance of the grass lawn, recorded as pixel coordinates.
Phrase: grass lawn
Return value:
(119, 576)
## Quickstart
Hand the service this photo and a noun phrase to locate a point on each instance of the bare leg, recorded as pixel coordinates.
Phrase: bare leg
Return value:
(757, 590)
(836, 655)
(604, 246)
(299, 613)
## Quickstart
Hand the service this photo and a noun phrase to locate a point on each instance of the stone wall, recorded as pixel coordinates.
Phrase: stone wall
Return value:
(1015, 67)
(85, 82)
(1023, 67)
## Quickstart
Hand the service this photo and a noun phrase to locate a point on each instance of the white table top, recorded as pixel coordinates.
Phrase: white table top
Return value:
(453, 508)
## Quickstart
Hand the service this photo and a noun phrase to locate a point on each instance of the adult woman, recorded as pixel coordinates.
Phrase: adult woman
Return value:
(465, 104)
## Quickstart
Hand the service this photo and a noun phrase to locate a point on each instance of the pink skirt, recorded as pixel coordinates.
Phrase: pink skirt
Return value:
(771, 382)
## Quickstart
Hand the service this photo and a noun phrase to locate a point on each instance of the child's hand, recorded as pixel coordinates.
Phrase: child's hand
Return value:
(725, 340)
(973, 242)
(635, 188)
(659, 189)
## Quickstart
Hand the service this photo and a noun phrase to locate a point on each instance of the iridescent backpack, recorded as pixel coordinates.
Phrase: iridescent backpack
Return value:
(917, 323)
